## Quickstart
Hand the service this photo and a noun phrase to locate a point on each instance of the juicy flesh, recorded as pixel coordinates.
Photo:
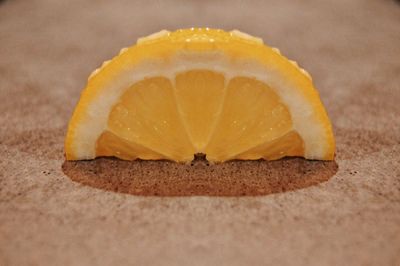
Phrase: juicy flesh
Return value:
(200, 111)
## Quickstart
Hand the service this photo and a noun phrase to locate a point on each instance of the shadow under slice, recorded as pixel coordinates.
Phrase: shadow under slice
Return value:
(233, 178)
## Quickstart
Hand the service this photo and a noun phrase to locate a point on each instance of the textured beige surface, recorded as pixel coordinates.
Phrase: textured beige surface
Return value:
(48, 48)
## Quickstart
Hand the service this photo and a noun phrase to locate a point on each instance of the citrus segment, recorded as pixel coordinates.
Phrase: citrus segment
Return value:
(109, 144)
(289, 144)
(200, 97)
(252, 114)
(147, 114)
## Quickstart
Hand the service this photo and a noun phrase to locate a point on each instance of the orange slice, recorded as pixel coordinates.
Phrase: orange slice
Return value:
(224, 94)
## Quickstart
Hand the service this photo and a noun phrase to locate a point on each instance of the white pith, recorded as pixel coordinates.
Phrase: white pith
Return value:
(304, 120)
